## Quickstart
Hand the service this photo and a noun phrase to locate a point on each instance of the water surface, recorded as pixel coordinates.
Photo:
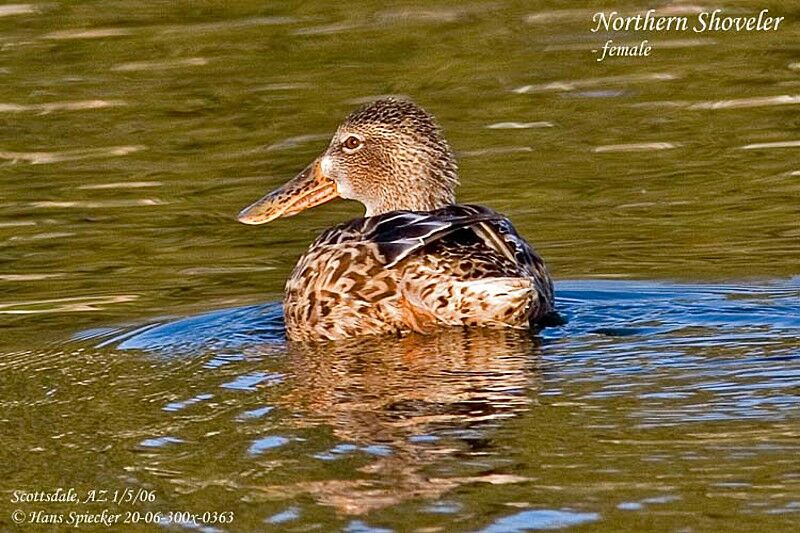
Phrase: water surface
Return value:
(142, 344)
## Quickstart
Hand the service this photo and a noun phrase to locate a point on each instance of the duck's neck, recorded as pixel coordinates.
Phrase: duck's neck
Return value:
(422, 185)
(408, 201)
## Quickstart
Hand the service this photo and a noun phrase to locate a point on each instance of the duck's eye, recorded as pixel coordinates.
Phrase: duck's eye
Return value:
(351, 143)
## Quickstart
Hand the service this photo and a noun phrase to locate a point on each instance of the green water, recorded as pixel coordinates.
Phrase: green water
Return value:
(664, 193)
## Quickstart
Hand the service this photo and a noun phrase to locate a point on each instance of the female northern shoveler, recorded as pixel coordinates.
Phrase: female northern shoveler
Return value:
(417, 260)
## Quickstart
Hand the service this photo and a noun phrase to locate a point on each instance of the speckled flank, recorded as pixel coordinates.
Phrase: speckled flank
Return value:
(346, 284)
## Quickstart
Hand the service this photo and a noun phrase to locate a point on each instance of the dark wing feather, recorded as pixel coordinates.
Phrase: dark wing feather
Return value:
(524, 254)
(527, 258)
(398, 241)
(398, 234)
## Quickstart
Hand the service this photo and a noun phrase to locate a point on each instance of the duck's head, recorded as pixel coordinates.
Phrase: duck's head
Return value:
(388, 155)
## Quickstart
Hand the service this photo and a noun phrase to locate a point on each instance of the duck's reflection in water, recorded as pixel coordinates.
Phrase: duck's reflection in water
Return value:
(418, 401)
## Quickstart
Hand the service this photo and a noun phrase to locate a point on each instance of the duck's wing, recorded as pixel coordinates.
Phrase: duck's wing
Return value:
(399, 234)
(400, 238)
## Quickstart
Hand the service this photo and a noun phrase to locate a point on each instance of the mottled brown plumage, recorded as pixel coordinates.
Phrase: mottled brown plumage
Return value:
(417, 261)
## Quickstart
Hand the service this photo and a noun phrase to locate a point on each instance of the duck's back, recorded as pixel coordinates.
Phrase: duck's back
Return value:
(406, 270)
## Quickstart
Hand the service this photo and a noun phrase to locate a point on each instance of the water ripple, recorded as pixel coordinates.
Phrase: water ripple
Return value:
(137, 66)
(539, 519)
(41, 158)
(120, 185)
(519, 125)
(95, 33)
(18, 9)
(769, 145)
(65, 305)
(61, 106)
(99, 204)
(735, 103)
(572, 85)
(226, 25)
(636, 147)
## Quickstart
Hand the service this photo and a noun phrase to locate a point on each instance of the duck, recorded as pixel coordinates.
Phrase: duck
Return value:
(417, 261)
